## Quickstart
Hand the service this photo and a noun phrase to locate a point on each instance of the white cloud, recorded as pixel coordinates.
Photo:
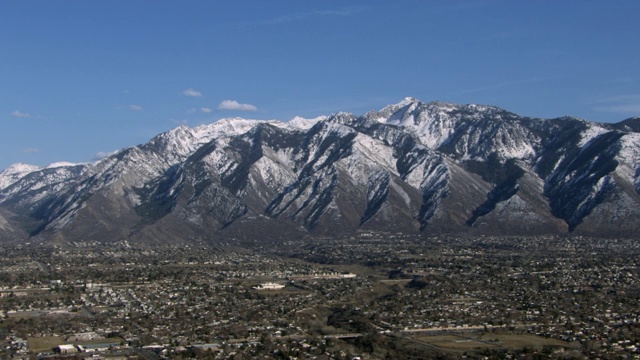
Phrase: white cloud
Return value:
(234, 105)
(206, 110)
(20, 114)
(30, 150)
(192, 93)
(135, 107)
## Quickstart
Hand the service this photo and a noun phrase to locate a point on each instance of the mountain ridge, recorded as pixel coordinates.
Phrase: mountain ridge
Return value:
(412, 167)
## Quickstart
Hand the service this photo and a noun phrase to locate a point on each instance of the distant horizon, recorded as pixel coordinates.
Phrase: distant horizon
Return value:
(82, 79)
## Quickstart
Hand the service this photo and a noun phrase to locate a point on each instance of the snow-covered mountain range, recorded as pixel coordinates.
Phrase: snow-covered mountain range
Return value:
(412, 167)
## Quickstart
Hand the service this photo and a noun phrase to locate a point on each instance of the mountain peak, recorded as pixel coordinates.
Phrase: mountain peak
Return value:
(226, 127)
(408, 100)
(15, 172)
(630, 125)
(299, 122)
(21, 168)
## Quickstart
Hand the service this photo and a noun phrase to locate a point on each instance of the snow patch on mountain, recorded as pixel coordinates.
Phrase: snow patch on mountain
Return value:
(302, 123)
(592, 131)
(20, 168)
(61, 164)
(273, 173)
(225, 128)
(629, 159)
(14, 173)
(285, 156)
(367, 150)
(219, 161)
(42, 183)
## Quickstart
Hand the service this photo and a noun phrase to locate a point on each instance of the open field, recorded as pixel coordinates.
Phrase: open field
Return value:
(455, 342)
(524, 340)
(489, 341)
(395, 281)
(45, 343)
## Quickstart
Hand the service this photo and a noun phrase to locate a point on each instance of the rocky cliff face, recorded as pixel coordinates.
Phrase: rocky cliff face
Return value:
(412, 167)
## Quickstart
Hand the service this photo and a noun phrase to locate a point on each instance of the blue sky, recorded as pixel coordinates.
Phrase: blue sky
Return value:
(82, 78)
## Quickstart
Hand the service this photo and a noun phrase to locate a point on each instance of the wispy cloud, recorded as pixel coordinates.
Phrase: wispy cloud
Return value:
(179, 121)
(621, 109)
(21, 115)
(301, 16)
(234, 105)
(191, 93)
(620, 104)
(135, 107)
(205, 110)
(103, 154)
(500, 85)
(462, 6)
(30, 150)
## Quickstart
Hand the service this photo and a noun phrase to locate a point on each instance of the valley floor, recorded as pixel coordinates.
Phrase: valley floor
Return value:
(370, 296)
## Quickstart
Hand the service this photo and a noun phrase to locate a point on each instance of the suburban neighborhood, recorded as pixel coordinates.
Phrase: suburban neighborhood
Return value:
(368, 296)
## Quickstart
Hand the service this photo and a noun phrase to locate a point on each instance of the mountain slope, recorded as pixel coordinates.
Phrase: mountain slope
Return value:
(412, 167)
